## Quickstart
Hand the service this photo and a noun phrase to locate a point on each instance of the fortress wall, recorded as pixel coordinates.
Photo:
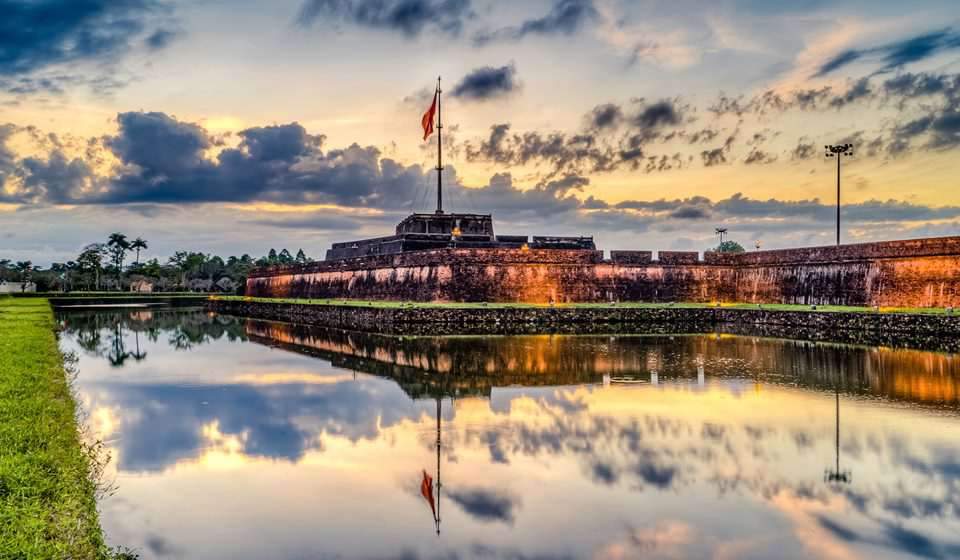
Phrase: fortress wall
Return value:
(910, 273)
(914, 273)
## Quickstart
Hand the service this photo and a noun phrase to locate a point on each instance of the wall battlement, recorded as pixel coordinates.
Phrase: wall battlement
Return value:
(915, 273)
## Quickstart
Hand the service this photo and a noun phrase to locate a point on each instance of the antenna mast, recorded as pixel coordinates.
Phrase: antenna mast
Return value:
(439, 154)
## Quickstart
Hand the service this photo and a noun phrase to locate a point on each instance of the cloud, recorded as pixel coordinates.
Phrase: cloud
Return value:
(161, 38)
(757, 155)
(408, 17)
(486, 83)
(718, 155)
(661, 113)
(896, 54)
(40, 35)
(595, 148)
(563, 152)
(564, 18)
(804, 149)
(909, 85)
(485, 504)
(605, 116)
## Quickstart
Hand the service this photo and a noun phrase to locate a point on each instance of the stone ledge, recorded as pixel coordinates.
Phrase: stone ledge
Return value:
(939, 332)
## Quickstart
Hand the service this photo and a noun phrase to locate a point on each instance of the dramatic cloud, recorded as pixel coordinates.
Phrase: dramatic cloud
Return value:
(565, 17)
(562, 152)
(39, 35)
(160, 160)
(487, 82)
(409, 17)
(896, 54)
(599, 147)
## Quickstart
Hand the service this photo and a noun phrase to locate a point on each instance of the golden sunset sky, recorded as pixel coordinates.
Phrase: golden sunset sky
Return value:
(233, 127)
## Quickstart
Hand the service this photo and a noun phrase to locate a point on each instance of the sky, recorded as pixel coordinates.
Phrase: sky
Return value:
(231, 127)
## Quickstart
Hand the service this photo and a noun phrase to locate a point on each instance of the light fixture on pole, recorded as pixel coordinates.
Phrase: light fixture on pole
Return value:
(720, 233)
(838, 152)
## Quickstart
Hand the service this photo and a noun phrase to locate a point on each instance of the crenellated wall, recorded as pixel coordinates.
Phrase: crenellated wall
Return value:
(914, 273)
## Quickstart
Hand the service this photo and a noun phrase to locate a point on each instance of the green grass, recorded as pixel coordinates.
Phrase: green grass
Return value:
(472, 305)
(47, 492)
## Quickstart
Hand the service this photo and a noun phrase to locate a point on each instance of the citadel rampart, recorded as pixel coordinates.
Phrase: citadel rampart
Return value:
(912, 273)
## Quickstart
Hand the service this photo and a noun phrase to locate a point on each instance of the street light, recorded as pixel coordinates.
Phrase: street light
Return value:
(838, 152)
(720, 231)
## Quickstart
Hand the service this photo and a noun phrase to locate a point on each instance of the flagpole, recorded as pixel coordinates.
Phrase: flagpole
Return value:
(438, 463)
(439, 153)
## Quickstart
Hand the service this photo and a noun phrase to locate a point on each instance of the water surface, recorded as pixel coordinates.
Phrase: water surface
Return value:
(248, 439)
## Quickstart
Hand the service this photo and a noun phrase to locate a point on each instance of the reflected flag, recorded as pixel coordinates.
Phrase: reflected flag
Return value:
(426, 490)
(427, 120)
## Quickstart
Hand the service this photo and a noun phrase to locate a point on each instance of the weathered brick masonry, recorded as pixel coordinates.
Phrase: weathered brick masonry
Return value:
(929, 331)
(913, 273)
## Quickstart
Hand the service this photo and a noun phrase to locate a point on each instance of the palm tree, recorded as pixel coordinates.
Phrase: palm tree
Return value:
(138, 244)
(119, 246)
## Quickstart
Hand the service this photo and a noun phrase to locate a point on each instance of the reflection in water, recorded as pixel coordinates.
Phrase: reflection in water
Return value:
(837, 475)
(247, 439)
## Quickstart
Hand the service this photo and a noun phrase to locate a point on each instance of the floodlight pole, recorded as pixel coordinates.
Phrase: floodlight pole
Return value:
(838, 200)
(838, 151)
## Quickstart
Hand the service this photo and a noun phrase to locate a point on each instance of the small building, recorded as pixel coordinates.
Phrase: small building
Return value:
(141, 285)
(11, 287)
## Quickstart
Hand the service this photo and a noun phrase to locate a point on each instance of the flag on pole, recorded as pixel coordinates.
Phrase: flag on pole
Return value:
(427, 120)
(426, 490)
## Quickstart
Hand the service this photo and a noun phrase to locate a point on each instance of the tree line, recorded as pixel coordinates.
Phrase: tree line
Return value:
(108, 266)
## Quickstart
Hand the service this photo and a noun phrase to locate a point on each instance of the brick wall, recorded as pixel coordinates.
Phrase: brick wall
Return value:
(921, 273)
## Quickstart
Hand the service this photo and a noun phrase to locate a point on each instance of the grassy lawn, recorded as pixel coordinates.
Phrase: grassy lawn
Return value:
(471, 305)
(47, 504)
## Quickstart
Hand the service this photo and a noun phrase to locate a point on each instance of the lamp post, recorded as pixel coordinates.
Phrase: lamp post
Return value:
(720, 233)
(838, 152)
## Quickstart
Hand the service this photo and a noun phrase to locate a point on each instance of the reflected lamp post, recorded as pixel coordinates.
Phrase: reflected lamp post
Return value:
(838, 151)
(835, 475)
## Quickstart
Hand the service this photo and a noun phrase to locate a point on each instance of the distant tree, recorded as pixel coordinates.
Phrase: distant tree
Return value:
(138, 244)
(272, 256)
(729, 247)
(301, 257)
(91, 259)
(179, 261)
(24, 270)
(285, 257)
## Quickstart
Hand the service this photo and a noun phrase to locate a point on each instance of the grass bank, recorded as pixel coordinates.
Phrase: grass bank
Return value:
(640, 305)
(47, 495)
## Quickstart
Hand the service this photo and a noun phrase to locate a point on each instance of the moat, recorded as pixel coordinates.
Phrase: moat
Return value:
(234, 438)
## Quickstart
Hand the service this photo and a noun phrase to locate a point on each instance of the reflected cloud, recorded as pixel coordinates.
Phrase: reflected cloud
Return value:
(485, 504)
(736, 429)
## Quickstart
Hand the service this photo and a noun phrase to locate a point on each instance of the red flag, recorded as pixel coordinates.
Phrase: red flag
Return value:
(426, 490)
(427, 120)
